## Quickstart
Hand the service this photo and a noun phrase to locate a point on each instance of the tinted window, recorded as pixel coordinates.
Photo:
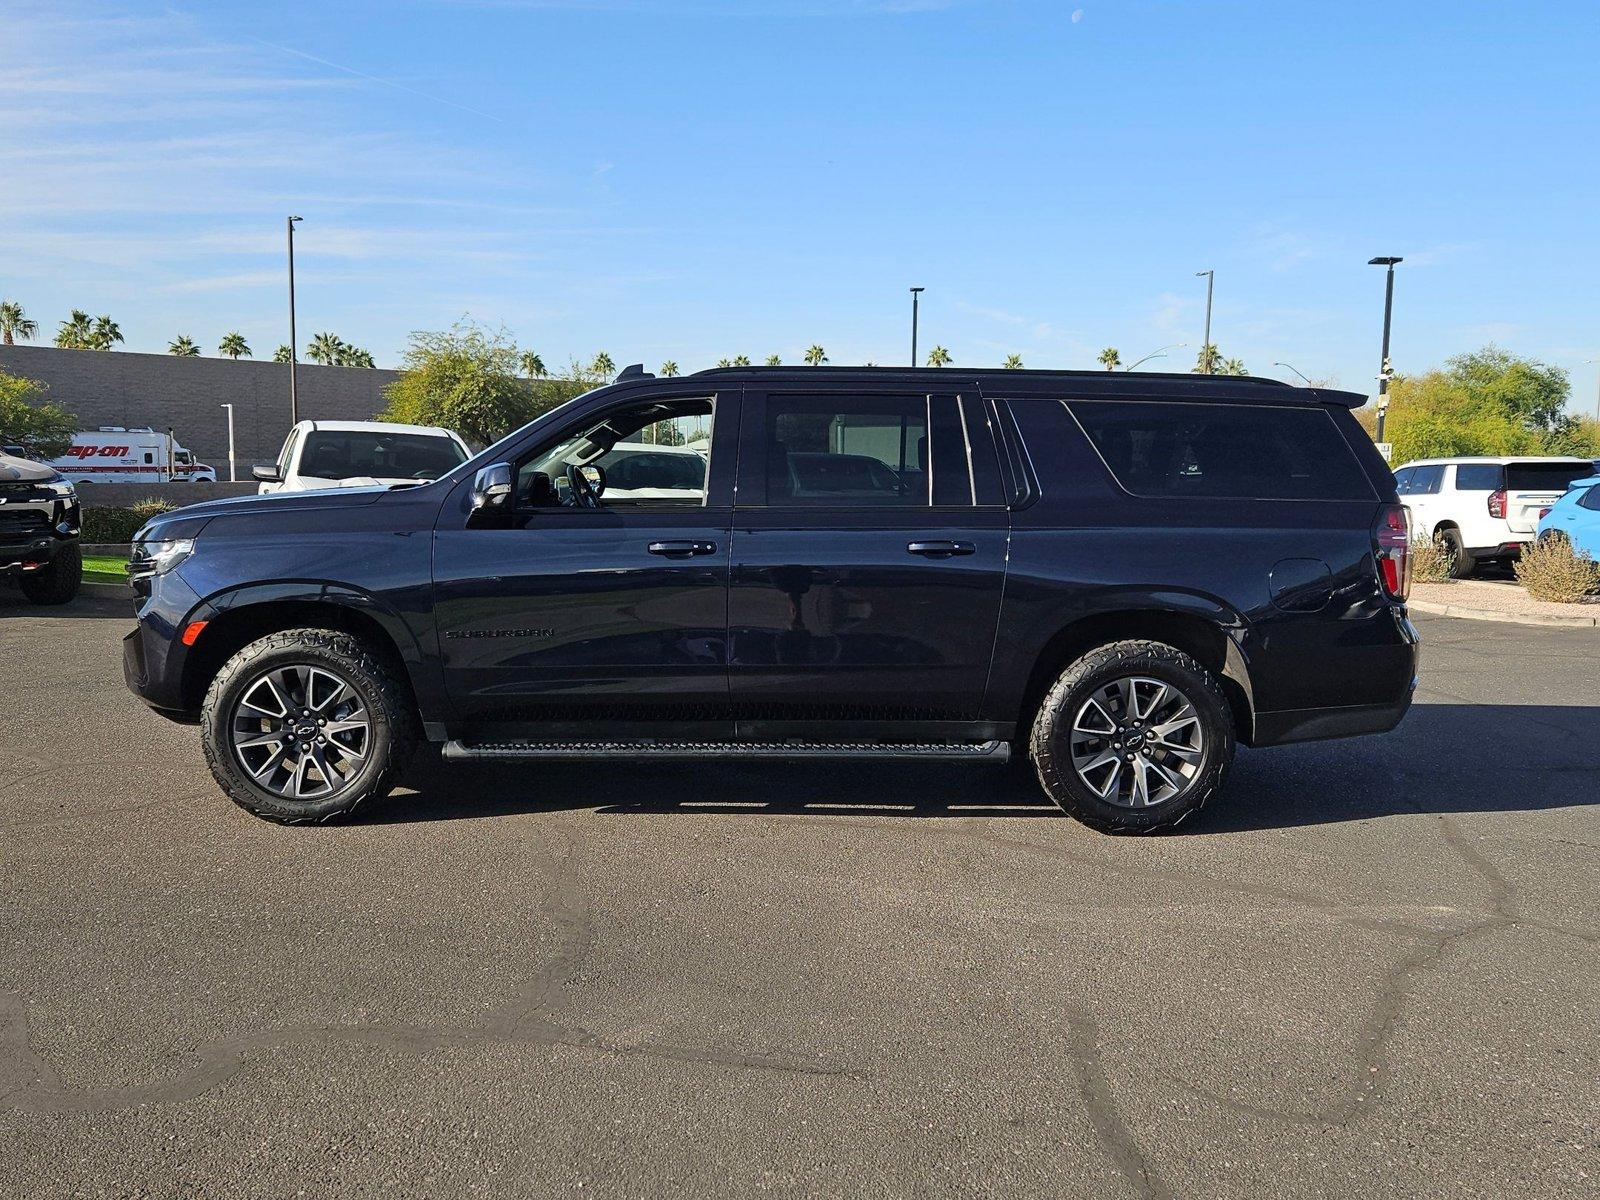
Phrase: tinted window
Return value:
(1590, 498)
(349, 454)
(1402, 480)
(1240, 451)
(1426, 481)
(654, 470)
(1544, 477)
(1479, 477)
(872, 450)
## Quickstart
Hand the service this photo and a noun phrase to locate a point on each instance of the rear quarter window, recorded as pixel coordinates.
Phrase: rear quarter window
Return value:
(1479, 477)
(1246, 452)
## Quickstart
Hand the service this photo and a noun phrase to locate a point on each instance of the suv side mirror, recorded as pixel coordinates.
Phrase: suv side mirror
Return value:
(267, 474)
(491, 488)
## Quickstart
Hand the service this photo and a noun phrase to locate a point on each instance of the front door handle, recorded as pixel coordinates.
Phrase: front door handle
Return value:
(682, 549)
(941, 549)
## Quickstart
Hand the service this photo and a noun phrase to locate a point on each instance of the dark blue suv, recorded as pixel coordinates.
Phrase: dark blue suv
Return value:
(1114, 576)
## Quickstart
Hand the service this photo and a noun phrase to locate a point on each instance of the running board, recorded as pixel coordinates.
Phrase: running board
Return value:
(998, 752)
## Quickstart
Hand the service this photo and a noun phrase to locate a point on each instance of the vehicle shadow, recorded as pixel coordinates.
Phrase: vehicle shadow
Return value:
(100, 603)
(1445, 758)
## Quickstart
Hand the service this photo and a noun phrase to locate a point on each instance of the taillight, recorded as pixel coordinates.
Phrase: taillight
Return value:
(1497, 504)
(1391, 547)
(1545, 511)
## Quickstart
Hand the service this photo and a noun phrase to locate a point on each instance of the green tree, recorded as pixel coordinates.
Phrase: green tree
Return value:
(466, 379)
(532, 365)
(184, 347)
(1234, 366)
(325, 348)
(742, 360)
(669, 369)
(1013, 362)
(41, 429)
(724, 362)
(355, 356)
(234, 346)
(1208, 361)
(282, 354)
(1110, 359)
(602, 366)
(14, 323)
(774, 360)
(75, 332)
(105, 335)
(939, 357)
(816, 356)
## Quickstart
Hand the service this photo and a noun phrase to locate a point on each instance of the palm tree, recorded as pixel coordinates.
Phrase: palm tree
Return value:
(724, 362)
(742, 360)
(1234, 366)
(1209, 357)
(355, 356)
(774, 360)
(1110, 359)
(1013, 362)
(532, 365)
(816, 356)
(282, 354)
(939, 357)
(14, 323)
(668, 370)
(603, 366)
(75, 332)
(183, 346)
(325, 348)
(106, 334)
(233, 345)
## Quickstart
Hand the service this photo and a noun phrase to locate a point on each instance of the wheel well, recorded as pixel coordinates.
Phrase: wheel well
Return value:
(1204, 641)
(226, 635)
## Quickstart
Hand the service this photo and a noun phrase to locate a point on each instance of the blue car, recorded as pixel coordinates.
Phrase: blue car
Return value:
(1576, 517)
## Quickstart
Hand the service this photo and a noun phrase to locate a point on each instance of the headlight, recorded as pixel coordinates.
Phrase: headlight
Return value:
(157, 558)
(58, 487)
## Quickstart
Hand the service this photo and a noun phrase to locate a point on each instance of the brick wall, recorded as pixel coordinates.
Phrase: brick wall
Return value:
(114, 387)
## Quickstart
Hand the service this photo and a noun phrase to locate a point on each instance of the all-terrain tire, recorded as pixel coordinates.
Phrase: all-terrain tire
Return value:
(1462, 564)
(58, 583)
(381, 686)
(1051, 744)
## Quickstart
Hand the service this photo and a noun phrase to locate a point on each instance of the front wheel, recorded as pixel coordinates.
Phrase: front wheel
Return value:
(306, 725)
(58, 582)
(1134, 737)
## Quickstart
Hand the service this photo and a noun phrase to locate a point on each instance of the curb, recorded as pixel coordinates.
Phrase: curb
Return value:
(91, 587)
(1488, 614)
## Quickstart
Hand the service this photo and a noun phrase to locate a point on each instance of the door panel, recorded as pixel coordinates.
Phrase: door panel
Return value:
(882, 611)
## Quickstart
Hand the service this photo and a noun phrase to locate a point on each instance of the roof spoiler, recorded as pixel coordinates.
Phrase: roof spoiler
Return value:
(1342, 399)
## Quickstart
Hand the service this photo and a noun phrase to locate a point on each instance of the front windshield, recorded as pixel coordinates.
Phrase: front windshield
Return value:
(380, 454)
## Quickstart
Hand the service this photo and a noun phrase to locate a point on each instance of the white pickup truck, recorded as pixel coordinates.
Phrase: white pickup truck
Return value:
(1482, 510)
(331, 454)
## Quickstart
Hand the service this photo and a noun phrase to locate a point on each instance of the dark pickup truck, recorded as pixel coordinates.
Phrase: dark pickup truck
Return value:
(1115, 576)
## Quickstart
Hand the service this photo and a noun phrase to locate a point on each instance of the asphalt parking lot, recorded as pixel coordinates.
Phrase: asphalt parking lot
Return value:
(1370, 970)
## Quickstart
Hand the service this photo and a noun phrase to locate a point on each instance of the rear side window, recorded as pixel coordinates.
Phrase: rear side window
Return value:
(1590, 497)
(1545, 477)
(1254, 452)
(1479, 477)
(1426, 481)
(851, 451)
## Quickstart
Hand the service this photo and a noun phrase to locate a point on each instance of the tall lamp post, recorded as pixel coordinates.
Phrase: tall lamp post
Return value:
(916, 294)
(294, 398)
(1388, 308)
(1296, 370)
(1161, 353)
(1205, 346)
(233, 475)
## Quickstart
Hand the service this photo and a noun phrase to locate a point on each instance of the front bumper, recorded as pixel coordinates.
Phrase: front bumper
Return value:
(153, 654)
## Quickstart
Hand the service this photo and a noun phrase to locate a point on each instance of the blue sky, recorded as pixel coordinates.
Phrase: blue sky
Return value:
(689, 179)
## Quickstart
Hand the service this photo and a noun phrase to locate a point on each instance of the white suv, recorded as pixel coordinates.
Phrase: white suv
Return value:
(1483, 509)
(330, 454)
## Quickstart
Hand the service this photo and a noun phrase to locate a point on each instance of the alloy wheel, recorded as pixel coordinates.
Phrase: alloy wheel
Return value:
(301, 732)
(1137, 742)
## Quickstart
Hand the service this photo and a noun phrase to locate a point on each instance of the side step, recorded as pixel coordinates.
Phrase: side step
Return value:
(997, 752)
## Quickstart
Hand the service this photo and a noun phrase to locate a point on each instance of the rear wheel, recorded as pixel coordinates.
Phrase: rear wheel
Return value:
(57, 583)
(1134, 737)
(307, 725)
(1458, 562)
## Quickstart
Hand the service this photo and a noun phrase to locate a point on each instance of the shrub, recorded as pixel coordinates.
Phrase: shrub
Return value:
(114, 526)
(1429, 563)
(1550, 569)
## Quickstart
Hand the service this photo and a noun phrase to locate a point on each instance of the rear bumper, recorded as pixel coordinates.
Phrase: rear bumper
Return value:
(1400, 662)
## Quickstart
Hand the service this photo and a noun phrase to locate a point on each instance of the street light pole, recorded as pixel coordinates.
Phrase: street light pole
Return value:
(1388, 309)
(916, 294)
(1161, 353)
(1296, 370)
(294, 398)
(233, 475)
(1205, 346)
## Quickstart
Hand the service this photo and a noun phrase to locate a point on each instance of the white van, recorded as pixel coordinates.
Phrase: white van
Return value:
(330, 454)
(114, 454)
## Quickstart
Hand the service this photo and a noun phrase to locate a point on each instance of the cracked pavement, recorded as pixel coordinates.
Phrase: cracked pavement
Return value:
(1370, 969)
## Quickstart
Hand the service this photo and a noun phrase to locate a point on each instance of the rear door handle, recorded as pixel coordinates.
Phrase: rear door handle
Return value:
(940, 549)
(682, 549)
